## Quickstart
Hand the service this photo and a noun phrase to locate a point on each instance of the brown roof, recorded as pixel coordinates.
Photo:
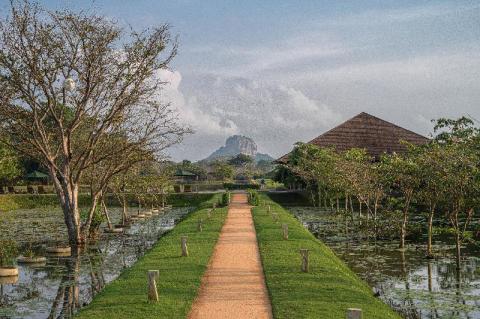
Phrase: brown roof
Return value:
(369, 132)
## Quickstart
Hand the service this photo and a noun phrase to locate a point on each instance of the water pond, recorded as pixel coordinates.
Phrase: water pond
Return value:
(413, 285)
(61, 285)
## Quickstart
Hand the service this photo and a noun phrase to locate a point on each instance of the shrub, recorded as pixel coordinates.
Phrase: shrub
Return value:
(8, 251)
(226, 198)
(232, 186)
(253, 198)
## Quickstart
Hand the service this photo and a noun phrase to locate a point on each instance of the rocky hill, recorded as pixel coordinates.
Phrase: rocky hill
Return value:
(238, 144)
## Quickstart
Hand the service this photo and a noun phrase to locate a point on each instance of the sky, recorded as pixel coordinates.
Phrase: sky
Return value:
(287, 71)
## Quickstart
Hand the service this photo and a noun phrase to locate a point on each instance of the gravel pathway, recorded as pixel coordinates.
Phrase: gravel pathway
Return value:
(234, 285)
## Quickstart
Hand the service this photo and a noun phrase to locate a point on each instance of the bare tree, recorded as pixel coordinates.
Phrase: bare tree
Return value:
(78, 91)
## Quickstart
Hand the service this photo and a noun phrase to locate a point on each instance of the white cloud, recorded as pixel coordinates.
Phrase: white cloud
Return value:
(274, 116)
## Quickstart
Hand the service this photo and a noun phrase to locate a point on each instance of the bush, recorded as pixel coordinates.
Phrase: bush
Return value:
(253, 198)
(226, 199)
(8, 252)
(232, 186)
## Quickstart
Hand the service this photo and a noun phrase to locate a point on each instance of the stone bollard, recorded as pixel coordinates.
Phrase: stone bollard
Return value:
(184, 246)
(354, 313)
(304, 254)
(200, 225)
(285, 231)
(153, 276)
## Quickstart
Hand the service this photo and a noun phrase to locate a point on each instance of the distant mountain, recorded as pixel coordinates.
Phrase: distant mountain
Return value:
(238, 144)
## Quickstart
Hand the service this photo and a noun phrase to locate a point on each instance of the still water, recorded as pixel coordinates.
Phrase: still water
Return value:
(57, 288)
(413, 285)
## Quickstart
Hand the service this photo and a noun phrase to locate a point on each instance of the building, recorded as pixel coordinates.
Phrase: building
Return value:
(367, 132)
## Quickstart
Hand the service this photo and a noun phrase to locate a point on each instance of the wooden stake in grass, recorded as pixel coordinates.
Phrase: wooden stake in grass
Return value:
(153, 276)
(200, 225)
(354, 313)
(184, 246)
(285, 231)
(304, 254)
(269, 209)
(209, 213)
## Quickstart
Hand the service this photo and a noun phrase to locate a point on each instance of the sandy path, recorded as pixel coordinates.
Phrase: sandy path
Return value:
(234, 285)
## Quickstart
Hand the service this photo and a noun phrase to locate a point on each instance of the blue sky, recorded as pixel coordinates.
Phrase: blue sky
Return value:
(286, 71)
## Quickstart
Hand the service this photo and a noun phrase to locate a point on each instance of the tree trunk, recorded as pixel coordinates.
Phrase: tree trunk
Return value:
(430, 231)
(403, 229)
(67, 193)
(458, 245)
(124, 212)
(105, 211)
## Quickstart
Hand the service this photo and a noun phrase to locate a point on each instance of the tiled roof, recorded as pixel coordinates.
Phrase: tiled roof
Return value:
(368, 132)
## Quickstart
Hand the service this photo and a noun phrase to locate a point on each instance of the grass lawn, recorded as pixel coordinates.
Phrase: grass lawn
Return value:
(180, 277)
(326, 291)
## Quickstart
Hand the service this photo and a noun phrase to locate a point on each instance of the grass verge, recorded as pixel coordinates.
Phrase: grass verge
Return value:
(326, 291)
(180, 277)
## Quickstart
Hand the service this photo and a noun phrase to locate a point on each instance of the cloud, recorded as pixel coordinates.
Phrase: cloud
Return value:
(216, 107)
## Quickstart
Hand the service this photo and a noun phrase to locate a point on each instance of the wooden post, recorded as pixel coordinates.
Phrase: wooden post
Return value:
(285, 231)
(209, 213)
(200, 225)
(269, 209)
(153, 276)
(304, 253)
(184, 246)
(354, 313)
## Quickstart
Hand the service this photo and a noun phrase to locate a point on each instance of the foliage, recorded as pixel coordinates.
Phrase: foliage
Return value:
(253, 197)
(240, 160)
(9, 164)
(233, 186)
(226, 198)
(8, 250)
(80, 96)
(222, 170)
(180, 277)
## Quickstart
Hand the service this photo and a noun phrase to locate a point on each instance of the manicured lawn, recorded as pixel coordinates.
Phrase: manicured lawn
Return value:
(326, 291)
(180, 277)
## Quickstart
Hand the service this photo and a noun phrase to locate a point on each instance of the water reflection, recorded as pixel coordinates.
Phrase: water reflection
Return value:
(415, 286)
(64, 284)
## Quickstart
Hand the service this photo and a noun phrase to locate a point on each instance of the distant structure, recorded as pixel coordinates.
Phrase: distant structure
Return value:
(368, 132)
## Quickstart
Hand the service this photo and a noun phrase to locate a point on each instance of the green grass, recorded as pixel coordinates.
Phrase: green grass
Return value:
(326, 291)
(180, 277)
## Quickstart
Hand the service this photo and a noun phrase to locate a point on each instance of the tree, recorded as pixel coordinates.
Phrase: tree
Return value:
(403, 173)
(71, 82)
(460, 142)
(240, 160)
(222, 170)
(9, 164)
(431, 160)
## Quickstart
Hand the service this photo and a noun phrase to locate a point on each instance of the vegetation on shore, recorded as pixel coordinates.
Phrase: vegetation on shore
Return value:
(326, 291)
(180, 277)
(30, 201)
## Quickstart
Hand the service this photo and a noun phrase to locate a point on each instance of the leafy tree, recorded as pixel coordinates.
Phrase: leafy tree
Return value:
(9, 164)
(222, 170)
(402, 171)
(240, 160)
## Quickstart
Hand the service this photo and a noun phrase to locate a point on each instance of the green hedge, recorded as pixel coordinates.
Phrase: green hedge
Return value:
(326, 291)
(180, 277)
(233, 186)
(30, 201)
